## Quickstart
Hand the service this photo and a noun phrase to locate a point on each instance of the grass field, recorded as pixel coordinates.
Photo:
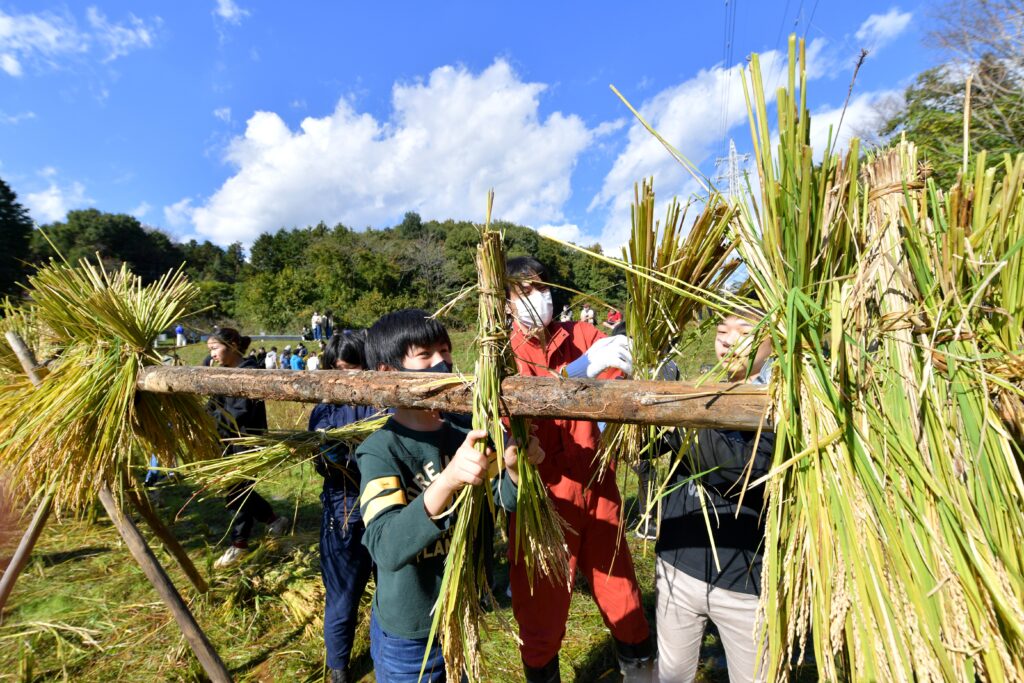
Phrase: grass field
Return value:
(83, 611)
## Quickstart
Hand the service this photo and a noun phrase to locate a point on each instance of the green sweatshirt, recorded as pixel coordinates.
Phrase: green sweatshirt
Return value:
(396, 464)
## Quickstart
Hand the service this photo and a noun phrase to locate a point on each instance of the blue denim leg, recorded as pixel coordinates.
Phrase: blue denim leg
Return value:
(345, 567)
(398, 660)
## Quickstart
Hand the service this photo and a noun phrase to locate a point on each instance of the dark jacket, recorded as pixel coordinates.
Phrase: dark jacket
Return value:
(721, 458)
(237, 416)
(336, 463)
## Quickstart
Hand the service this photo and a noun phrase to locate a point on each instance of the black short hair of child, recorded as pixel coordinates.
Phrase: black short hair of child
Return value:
(525, 267)
(346, 346)
(391, 337)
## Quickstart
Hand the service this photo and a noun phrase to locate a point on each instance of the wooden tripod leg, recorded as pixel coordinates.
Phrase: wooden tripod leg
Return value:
(21, 555)
(167, 537)
(207, 656)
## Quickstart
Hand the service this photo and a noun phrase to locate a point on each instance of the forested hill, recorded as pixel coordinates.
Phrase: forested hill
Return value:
(358, 275)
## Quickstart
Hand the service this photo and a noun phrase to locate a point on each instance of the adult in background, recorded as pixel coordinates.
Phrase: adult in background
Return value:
(566, 315)
(316, 325)
(589, 504)
(327, 320)
(179, 335)
(261, 357)
(236, 416)
(614, 318)
(344, 561)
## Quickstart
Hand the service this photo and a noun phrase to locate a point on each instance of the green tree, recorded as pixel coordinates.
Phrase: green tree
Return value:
(983, 39)
(15, 232)
(117, 238)
(933, 115)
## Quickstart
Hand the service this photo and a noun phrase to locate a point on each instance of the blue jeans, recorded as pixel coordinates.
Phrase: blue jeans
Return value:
(398, 660)
(345, 568)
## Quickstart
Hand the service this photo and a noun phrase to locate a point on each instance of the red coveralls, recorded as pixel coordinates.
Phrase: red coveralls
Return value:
(591, 508)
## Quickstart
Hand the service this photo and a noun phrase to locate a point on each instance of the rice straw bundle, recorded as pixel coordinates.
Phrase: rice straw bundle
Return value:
(655, 316)
(86, 424)
(264, 454)
(895, 503)
(895, 500)
(458, 612)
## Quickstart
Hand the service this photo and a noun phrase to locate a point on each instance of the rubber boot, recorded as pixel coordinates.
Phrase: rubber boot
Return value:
(636, 662)
(544, 674)
(340, 676)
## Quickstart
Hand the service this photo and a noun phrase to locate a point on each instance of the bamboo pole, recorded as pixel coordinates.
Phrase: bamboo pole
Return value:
(720, 406)
(201, 646)
(24, 550)
(35, 527)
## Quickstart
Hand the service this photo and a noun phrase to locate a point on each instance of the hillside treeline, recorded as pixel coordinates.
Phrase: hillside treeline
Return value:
(286, 275)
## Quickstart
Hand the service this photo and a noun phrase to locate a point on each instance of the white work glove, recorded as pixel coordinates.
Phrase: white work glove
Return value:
(609, 352)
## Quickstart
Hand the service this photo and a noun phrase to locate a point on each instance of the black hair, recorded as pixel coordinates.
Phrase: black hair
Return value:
(523, 268)
(391, 337)
(229, 336)
(348, 347)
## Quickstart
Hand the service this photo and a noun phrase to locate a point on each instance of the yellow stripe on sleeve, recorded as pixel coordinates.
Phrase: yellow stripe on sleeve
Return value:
(380, 494)
(381, 503)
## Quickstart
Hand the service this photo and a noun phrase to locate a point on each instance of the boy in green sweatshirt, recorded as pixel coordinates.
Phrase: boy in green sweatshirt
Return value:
(410, 471)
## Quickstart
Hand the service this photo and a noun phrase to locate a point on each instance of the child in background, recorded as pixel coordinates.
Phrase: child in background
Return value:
(691, 589)
(236, 416)
(410, 471)
(344, 561)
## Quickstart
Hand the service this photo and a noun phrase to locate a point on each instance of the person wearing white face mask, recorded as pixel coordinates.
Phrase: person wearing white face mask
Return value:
(591, 505)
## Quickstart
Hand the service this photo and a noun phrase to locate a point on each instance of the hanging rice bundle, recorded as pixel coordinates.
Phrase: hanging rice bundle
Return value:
(895, 503)
(895, 500)
(264, 454)
(86, 425)
(655, 316)
(458, 612)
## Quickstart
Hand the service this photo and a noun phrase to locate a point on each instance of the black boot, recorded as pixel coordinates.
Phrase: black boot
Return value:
(339, 676)
(543, 674)
(636, 662)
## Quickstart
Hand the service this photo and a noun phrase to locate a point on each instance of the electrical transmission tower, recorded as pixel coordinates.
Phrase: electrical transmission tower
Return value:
(733, 173)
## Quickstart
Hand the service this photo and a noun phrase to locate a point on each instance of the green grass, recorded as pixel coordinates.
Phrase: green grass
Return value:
(83, 610)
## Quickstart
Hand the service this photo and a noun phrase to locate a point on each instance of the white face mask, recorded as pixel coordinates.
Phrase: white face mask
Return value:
(535, 311)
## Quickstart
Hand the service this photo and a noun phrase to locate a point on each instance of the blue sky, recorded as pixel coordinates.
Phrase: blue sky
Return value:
(221, 119)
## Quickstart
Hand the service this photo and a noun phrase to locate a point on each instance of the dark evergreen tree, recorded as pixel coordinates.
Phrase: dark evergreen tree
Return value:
(15, 232)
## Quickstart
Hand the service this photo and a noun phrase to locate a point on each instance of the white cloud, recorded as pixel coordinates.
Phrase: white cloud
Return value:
(223, 113)
(230, 12)
(880, 29)
(10, 64)
(141, 210)
(450, 139)
(53, 203)
(860, 118)
(13, 119)
(567, 232)
(46, 40)
(179, 214)
(121, 39)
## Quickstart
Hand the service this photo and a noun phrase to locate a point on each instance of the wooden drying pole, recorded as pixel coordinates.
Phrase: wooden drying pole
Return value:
(720, 406)
(140, 550)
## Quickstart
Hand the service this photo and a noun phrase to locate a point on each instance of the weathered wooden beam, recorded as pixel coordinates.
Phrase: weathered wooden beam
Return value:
(723, 406)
